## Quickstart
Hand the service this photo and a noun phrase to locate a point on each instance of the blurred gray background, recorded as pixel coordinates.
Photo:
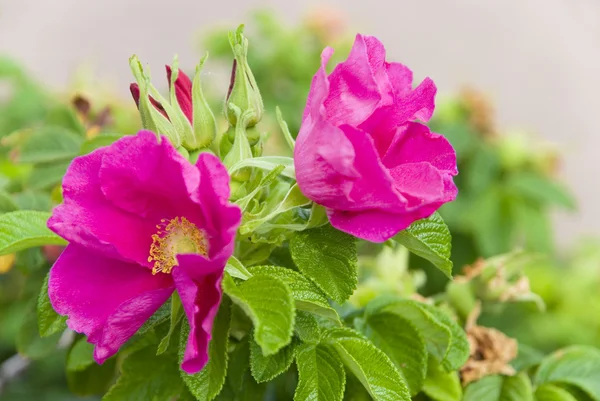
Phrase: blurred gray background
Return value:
(539, 60)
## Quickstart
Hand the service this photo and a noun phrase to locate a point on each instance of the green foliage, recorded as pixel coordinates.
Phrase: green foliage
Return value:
(576, 366)
(25, 229)
(266, 368)
(49, 322)
(370, 365)
(442, 386)
(430, 239)
(321, 374)
(500, 388)
(328, 257)
(268, 301)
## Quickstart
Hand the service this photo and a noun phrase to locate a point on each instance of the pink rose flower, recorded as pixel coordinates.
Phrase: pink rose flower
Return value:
(142, 222)
(359, 152)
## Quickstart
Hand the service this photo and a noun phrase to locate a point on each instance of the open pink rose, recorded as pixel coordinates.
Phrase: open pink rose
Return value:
(142, 222)
(359, 152)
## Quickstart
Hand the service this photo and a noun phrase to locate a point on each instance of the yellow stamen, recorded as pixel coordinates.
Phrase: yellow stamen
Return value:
(174, 237)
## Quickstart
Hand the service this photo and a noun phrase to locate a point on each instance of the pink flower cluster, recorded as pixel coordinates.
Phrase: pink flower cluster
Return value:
(143, 222)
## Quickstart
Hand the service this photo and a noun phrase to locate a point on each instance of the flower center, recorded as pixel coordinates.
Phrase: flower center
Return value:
(174, 237)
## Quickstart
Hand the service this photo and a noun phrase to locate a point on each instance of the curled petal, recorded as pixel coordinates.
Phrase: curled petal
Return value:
(370, 225)
(198, 283)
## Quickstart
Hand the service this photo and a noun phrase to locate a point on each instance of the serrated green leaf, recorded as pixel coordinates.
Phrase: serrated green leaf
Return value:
(98, 141)
(402, 343)
(147, 376)
(369, 364)
(176, 316)
(500, 388)
(446, 341)
(266, 368)
(307, 327)
(50, 143)
(160, 316)
(321, 374)
(308, 296)
(329, 258)
(442, 386)
(236, 371)
(550, 392)
(268, 302)
(25, 229)
(49, 322)
(430, 239)
(577, 366)
(541, 189)
(81, 355)
(207, 384)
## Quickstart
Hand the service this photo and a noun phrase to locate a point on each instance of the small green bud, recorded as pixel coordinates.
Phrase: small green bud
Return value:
(243, 91)
(205, 126)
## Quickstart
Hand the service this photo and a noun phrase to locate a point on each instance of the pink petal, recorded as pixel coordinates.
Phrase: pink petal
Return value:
(414, 143)
(319, 88)
(106, 299)
(401, 78)
(87, 218)
(183, 92)
(358, 85)
(221, 218)
(373, 188)
(370, 225)
(148, 178)
(420, 183)
(324, 162)
(198, 283)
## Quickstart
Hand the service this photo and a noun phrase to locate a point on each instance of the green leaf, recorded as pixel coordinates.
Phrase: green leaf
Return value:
(500, 388)
(289, 139)
(329, 258)
(577, 366)
(550, 392)
(46, 175)
(308, 296)
(147, 376)
(369, 364)
(541, 189)
(25, 229)
(430, 239)
(95, 379)
(321, 374)
(268, 302)
(33, 200)
(442, 386)
(307, 327)
(293, 199)
(160, 316)
(98, 141)
(29, 342)
(81, 355)
(526, 358)
(446, 341)
(49, 322)
(176, 315)
(267, 180)
(236, 269)
(267, 163)
(207, 384)
(266, 368)
(50, 143)
(7, 204)
(402, 343)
